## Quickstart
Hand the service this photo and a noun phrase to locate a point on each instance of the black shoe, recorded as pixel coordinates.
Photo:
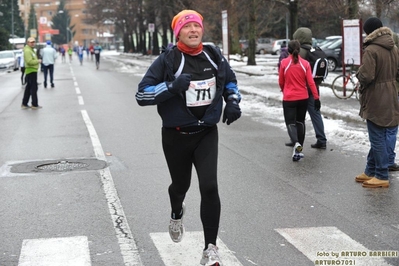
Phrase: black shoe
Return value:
(52, 85)
(319, 145)
(394, 167)
(289, 144)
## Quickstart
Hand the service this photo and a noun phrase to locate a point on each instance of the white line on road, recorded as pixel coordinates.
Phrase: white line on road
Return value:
(77, 90)
(321, 243)
(80, 100)
(65, 251)
(127, 245)
(189, 250)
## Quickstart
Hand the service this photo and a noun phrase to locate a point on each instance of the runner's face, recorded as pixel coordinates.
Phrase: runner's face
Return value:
(191, 34)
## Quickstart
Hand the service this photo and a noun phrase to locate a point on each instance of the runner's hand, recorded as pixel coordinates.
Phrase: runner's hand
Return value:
(180, 84)
(317, 105)
(232, 112)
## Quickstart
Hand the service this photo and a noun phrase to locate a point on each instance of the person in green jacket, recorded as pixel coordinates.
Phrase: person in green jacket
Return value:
(32, 64)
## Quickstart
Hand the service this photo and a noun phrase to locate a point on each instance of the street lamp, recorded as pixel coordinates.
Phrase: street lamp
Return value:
(66, 26)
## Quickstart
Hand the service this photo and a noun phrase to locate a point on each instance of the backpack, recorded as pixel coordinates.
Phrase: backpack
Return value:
(318, 62)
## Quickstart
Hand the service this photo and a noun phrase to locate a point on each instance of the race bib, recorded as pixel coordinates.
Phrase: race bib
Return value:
(96, 51)
(201, 92)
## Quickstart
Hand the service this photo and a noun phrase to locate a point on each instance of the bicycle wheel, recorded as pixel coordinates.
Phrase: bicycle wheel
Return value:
(340, 83)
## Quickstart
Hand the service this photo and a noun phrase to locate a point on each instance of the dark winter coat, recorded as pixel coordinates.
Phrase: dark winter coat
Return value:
(153, 90)
(283, 54)
(377, 76)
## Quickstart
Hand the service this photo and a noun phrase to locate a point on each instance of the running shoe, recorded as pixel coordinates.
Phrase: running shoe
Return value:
(296, 155)
(210, 256)
(176, 227)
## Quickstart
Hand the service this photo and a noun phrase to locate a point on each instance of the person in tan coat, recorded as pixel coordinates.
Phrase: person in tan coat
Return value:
(379, 104)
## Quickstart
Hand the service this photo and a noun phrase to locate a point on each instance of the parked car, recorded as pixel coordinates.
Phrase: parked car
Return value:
(276, 46)
(18, 54)
(263, 46)
(8, 60)
(329, 40)
(333, 51)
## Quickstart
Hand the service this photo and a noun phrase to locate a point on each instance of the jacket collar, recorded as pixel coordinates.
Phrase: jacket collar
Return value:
(377, 33)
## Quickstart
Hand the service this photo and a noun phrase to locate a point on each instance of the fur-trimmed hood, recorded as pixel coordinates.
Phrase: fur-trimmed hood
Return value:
(382, 36)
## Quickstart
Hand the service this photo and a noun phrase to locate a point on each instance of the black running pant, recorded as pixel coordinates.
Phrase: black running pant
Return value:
(182, 151)
(294, 116)
(30, 89)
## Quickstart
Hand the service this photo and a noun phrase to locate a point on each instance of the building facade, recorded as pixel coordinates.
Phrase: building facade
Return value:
(46, 9)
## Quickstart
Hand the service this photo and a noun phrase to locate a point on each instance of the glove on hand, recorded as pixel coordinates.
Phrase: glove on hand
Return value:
(232, 112)
(180, 84)
(317, 105)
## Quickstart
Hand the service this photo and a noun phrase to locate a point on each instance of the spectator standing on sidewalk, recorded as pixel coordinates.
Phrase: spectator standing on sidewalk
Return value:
(392, 132)
(32, 64)
(48, 54)
(295, 76)
(304, 36)
(379, 104)
(188, 83)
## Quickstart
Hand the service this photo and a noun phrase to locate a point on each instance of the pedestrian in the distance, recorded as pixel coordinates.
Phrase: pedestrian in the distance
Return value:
(48, 54)
(283, 53)
(379, 104)
(188, 83)
(22, 66)
(304, 36)
(32, 64)
(295, 74)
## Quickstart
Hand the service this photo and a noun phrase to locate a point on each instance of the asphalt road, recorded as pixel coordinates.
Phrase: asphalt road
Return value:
(274, 211)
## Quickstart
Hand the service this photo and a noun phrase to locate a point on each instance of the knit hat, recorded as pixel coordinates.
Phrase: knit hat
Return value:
(371, 25)
(183, 18)
(48, 42)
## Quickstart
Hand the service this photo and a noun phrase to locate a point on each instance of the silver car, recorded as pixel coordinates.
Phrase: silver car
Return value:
(8, 61)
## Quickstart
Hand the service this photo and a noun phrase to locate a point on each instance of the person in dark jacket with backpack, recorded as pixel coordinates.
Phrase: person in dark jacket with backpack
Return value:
(304, 36)
(188, 82)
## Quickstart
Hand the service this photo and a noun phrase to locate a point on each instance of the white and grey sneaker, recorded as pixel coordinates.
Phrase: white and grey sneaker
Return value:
(176, 227)
(210, 256)
(296, 154)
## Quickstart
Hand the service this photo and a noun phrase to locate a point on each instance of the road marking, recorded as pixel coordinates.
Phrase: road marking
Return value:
(77, 90)
(319, 243)
(80, 100)
(127, 245)
(189, 250)
(65, 251)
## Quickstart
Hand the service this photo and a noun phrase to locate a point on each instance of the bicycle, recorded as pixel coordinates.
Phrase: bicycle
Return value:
(344, 86)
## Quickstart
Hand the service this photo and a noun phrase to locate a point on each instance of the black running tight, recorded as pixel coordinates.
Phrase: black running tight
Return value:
(182, 151)
(294, 116)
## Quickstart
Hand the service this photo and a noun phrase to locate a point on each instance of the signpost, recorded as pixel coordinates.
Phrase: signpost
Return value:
(225, 34)
(352, 42)
(151, 29)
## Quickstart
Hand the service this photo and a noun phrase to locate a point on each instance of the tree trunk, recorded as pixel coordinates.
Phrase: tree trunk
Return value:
(251, 33)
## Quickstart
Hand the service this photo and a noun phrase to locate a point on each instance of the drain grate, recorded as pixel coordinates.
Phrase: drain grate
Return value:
(64, 165)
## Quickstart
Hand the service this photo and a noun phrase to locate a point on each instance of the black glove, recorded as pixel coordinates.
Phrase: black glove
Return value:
(180, 84)
(317, 105)
(232, 112)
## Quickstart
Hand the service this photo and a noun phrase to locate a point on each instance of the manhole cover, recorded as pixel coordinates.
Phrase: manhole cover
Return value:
(64, 165)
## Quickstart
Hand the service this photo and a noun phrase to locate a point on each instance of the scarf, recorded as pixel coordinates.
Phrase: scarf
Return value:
(188, 50)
